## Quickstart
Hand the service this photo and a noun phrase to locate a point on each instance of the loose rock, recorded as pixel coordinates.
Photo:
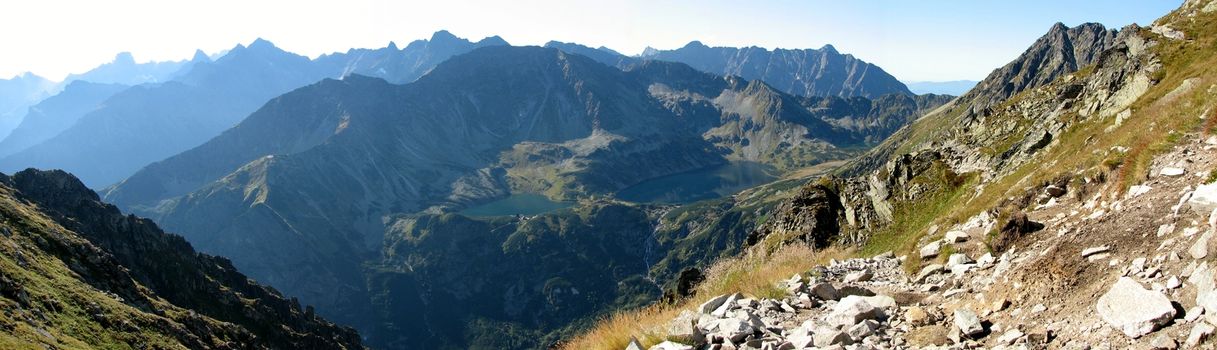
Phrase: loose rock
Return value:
(1134, 310)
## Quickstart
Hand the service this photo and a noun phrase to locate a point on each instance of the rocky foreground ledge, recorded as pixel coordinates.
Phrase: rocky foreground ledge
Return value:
(1090, 267)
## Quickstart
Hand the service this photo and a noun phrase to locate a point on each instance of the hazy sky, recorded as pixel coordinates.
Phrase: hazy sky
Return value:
(913, 40)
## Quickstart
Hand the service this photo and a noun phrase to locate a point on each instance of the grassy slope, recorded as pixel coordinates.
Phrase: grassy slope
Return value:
(52, 306)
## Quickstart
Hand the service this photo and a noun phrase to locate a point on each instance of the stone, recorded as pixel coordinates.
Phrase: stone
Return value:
(955, 236)
(712, 304)
(795, 287)
(1163, 342)
(1193, 314)
(1000, 304)
(931, 250)
(961, 269)
(958, 259)
(634, 344)
(1054, 191)
(1010, 336)
(858, 276)
(1200, 249)
(801, 341)
(827, 338)
(986, 260)
(727, 305)
(882, 302)
(1204, 198)
(1137, 190)
(682, 327)
(1095, 250)
(968, 323)
(916, 316)
(862, 330)
(1173, 282)
(670, 345)
(928, 271)
(824, 291)
(851, 310)
(1134, 310)
(1199, 333)
(1171, 171)
(732, 328)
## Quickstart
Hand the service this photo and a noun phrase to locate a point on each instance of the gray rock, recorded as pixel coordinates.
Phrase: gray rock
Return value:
(727, 305)
(1095, 250)
(968, 323)
(1010, 336)
(958, 259)
(1054, 191)
(683, 327)
(832, 337)
(851, 310)
(1163, 342)
(824, 291)
(1134, 310)
(1204, 198)
(862, 330)
(801, 341)
(1200, 332)
(955, 237)
(712, 304)
(858, 276)
(733, 328)
(670, 345)
(1200, 249)
(928, 271)
(930, 250)
(1171, 172)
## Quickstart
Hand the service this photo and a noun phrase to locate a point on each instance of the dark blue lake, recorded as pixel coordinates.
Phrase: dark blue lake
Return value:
(521, 204)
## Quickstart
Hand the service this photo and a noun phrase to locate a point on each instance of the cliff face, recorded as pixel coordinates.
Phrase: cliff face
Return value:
(85, 275)
(1061, 51)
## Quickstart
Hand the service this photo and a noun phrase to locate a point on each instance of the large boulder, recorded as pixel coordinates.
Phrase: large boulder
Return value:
(1204, 198)
(1134, 310)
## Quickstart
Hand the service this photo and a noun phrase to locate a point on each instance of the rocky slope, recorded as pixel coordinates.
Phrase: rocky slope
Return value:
(1076, 213)
(77, 273)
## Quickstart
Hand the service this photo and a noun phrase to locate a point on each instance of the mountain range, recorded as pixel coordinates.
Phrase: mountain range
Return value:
(803, 72)
(298, 193)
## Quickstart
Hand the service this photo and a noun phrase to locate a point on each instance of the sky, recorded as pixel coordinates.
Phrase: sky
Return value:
(937, 40)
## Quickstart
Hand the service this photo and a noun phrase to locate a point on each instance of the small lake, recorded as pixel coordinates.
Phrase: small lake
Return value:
(521, 204)
(707, 183)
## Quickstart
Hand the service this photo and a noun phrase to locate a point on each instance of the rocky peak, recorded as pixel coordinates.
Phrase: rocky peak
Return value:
(445, 38)
(1061, 51)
